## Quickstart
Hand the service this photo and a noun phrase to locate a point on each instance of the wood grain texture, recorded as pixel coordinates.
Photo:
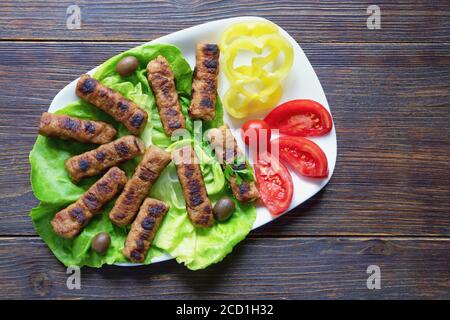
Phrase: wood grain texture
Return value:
(391, 107)
(307, 21)
(296, 268)
(387, 203)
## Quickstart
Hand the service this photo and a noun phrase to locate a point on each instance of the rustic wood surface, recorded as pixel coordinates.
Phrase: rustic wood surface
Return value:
(290, 268)
(386, 204)
(307, 21)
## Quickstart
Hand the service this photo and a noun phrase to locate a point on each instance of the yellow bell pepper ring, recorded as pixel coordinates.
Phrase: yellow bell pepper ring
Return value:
(238, 30)
(256, 86)
(239, 105)
(276, 46)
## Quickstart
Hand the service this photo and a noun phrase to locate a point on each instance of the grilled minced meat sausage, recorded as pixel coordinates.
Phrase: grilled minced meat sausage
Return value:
(227, 151)
(93, 162)
(69, 222)
(204, 84)
(138, 187)
(144, 228)
(113, 103)
(85, 131)
(161, 80)
(198, 205)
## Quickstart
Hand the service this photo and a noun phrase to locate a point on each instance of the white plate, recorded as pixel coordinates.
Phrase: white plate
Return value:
(302, 83)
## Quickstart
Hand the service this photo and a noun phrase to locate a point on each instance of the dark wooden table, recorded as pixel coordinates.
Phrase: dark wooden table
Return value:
(388, 203)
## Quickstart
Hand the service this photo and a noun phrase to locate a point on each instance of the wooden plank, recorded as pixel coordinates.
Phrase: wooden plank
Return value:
(297, 268)
(307, 21)
(391, 109)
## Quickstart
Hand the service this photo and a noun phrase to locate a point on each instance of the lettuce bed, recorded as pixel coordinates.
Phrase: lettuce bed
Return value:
(196, 248)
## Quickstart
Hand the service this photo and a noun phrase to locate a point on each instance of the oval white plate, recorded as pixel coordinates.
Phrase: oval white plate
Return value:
(302, 83)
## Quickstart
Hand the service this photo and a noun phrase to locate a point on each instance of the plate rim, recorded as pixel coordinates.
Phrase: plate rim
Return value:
(165, 256)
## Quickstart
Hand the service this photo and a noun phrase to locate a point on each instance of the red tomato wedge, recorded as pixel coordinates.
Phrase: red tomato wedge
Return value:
(303, 155)
(300, 118)
(257, 129)
(274, 184)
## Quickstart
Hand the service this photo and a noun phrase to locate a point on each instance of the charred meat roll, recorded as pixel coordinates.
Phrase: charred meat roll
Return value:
(144, 228)
(138, 187)
(93, 162)
(161, 80)
(204, 84)
(85, 131)
(113, 103)
(198, 205)
(228, 153)
(69, 222)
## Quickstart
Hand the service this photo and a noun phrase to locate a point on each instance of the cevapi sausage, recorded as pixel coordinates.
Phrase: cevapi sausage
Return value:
(85, 131)
(93, 162)
(204, 84)
(228, 153)
(120, 108)
(198, 205)
(161, 80)
(144, 228)
(138, 187)
(69, 222)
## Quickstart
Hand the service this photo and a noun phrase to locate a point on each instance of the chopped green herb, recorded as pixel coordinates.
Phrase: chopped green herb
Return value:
(245, 174)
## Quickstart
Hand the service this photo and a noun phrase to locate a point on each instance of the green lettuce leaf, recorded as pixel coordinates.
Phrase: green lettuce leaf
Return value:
(77, 252)
(196, 248)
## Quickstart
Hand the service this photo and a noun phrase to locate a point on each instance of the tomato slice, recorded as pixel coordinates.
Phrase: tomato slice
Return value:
(303, 155)
(274, 184)
(300, 118)
(257, 129)
(256, 134)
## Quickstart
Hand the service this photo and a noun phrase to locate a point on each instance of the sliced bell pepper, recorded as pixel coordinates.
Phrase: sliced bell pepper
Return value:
(256, 86)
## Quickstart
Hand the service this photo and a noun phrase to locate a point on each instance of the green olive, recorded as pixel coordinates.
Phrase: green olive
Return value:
(101, 242)
(127, 66)
(224, 208)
